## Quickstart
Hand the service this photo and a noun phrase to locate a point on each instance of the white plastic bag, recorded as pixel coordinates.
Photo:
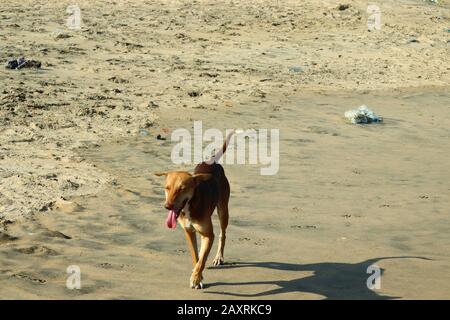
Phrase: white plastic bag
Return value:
(362, 115)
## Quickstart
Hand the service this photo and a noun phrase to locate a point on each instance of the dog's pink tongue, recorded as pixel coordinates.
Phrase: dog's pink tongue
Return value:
(171, 220)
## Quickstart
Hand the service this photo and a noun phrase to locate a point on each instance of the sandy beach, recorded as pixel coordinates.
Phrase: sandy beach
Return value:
(79, 145)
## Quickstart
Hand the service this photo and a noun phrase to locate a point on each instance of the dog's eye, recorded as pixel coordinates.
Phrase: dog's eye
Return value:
(167, 188)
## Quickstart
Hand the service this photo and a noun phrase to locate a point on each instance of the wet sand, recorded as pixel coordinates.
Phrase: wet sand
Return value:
(346, 197)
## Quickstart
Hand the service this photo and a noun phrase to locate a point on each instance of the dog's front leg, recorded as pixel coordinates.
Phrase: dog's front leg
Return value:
(206, 244)
(191, 239)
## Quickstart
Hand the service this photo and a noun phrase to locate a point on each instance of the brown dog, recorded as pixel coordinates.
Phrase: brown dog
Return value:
(191, 199)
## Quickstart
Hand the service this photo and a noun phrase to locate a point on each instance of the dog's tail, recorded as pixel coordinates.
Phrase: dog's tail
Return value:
(215, 158)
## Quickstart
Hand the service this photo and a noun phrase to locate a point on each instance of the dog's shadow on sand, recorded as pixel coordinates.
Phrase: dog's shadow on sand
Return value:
(329, 279)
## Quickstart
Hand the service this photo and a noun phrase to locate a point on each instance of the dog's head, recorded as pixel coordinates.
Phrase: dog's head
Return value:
(179, 189)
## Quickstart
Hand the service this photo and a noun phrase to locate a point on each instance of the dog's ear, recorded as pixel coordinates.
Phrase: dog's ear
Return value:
(199, 177)
(159, 174)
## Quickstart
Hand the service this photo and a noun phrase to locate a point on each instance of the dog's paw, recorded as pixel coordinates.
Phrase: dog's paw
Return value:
(196, 282)
(198, 286)
(218, 260)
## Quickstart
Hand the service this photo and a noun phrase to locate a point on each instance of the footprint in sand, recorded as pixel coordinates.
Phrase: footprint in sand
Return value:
(304, 227)
(4, 237)
(28, 277)
(38, 250)
(55, 234)
(107, 265)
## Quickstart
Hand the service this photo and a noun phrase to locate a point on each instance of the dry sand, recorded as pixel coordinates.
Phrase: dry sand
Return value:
(76, 185)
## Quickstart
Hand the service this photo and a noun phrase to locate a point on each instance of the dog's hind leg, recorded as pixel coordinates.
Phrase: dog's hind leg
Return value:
(222, 210)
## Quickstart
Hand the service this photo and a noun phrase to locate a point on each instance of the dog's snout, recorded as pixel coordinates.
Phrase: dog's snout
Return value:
(168, 206)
